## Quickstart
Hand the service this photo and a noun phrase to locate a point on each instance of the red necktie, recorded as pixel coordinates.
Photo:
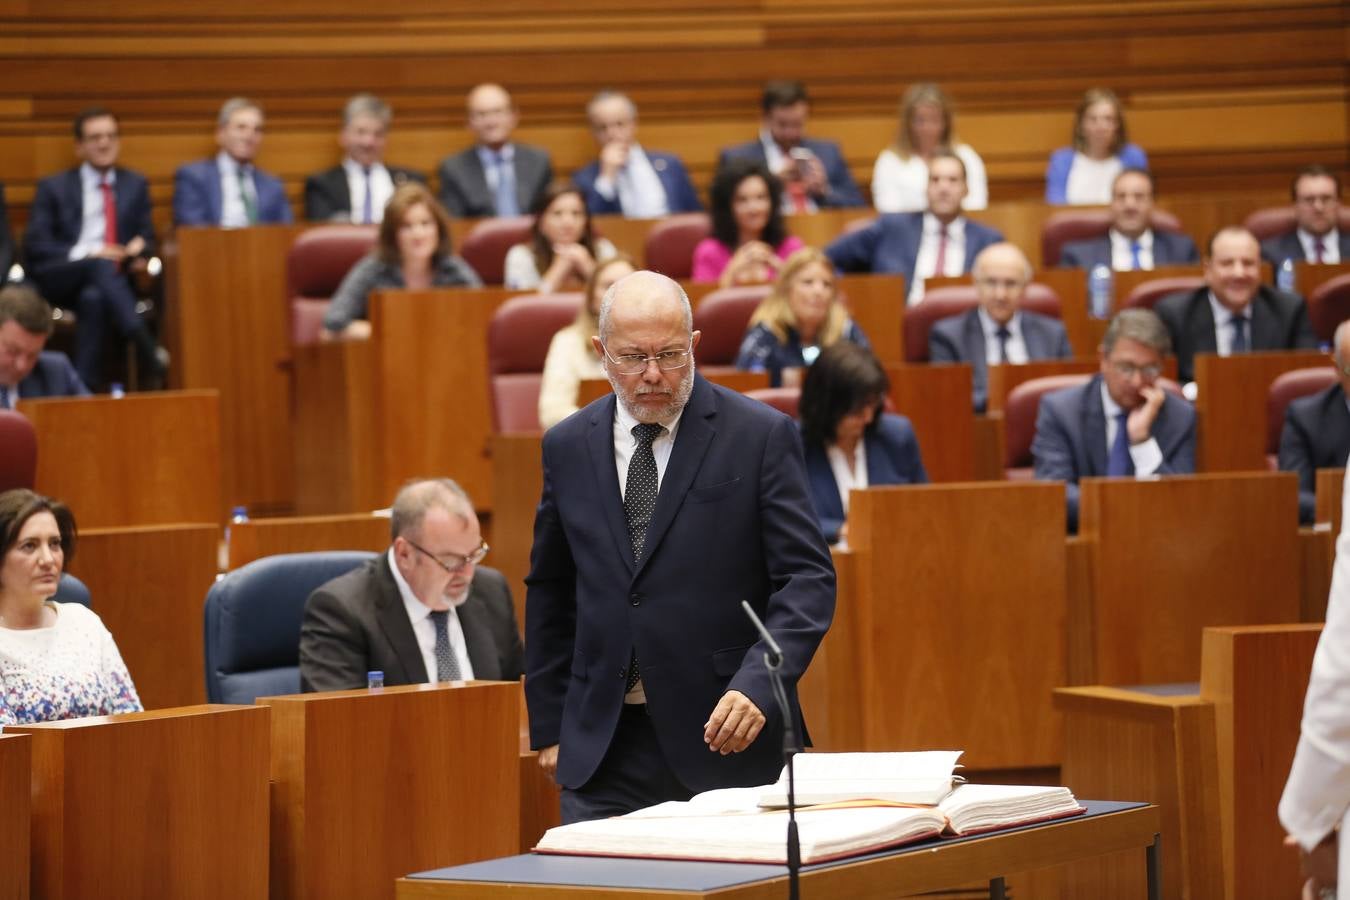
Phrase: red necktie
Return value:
(940, 265)
(797, 193)
(109, 213)
(1318, 249)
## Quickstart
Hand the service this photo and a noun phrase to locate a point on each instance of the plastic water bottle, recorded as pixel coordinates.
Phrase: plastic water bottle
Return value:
(1284, 278)
(374, 679)
(1099, 292)
(237, 515)
(116, 391)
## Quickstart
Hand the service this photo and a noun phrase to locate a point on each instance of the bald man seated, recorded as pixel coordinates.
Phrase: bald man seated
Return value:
(496, 176)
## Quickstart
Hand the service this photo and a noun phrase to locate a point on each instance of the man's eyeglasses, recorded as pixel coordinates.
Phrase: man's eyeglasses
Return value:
(456, 563)
(1129, 370)
(636, 363)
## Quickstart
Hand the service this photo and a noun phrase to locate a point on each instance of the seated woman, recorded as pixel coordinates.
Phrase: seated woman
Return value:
(562, 251)
(571, 355)
(749, 240)
(927, 125)
(413, 252)
(801, 316)
(1082, 175)
(57, 661)
(848, 440)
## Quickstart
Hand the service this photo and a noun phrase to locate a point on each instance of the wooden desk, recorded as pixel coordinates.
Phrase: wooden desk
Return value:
(369, 785)
(257, 538)
(227, 324)
(146, 459)
(1004, 377)
(968, 632)
(1330, 486)
(15, 814)
(908, 871)
(1308, 277)
(1174, 555)
(937, 401)
(519, 479)
(1231, 404)
(148, 585)
(171, 803)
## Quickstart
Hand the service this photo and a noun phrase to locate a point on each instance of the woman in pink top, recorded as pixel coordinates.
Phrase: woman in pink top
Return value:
(749, 240)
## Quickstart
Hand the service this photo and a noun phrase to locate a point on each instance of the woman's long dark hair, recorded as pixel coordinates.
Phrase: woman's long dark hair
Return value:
(845, 378)
(542, 246)
(724, 186)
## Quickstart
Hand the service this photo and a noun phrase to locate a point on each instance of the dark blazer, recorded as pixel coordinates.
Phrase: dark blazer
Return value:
(1169, 249)
(464, 186)
(840, 188)
(891, 244)
(328, 198)
(58, 213)
(197, 201)
(6, 239)
(1279, 321)
(733, 521)
(356, 623)
(680, 193)
(1277, 249)
(960, 339)
(1316, 436)
(893, 457)
(1070, 440)
(52, 376)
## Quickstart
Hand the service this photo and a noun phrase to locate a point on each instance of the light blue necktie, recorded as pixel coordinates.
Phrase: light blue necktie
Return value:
(506, 187)
(1134, 256)
(368, 208)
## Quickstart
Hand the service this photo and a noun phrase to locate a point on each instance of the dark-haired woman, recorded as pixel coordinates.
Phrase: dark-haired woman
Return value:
(849, 441)
(749, 240)
(1083, 173)
(57, 661)
(562, 250)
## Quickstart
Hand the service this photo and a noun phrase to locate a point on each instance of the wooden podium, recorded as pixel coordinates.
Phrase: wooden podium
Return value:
(144, 459)
(171, 803)
(936, 399)
(15, 813)
(257, 538)
(370, 785)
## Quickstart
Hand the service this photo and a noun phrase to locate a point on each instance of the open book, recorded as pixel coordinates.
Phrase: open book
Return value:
(729, 826)
(922, 777)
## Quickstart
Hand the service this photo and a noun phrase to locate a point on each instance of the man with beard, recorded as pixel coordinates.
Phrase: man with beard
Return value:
(664, 506)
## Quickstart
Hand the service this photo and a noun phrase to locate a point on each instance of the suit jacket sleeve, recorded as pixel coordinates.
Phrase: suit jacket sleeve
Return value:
(1180, 458)
(841, 190)
(1069, 258)
(1296, 455)
(1303, 336)
(6, 239)
(333, 649)
(1052, 449)
(585, 179)
(854, 252)
(41, 243)
(272, 203)
(942, 348)
(190, 203)
(143, 210)
(319, 206)
(1057, 176)
(686, 198)
(452, 197)
(502, 622)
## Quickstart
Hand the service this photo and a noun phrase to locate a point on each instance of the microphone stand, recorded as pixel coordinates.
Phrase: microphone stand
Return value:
(773, 661)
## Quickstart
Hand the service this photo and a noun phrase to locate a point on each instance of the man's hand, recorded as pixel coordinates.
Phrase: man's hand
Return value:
(1139, 425)
(813, 177)
(114, 252)
(733, 725)
(548, 760)
(135, 246)
(613, 157)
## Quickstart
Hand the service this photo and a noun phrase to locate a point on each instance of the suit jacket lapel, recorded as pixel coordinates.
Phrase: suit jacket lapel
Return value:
(880, 469)
(478, 179)
(393, 620)
(1094, 427)
(1265, 333)
(213, 197)
(691, 443)
(72, 205)
(825, 487)
(600, 445)
(524, 170)
(477, 636)
(910, 251)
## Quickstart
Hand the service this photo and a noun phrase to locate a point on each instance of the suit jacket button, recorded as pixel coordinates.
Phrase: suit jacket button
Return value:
(635, 599)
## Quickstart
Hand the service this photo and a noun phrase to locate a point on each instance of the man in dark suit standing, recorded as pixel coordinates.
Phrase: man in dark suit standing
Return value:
(998, 330)
(424, 611)
(665, 504)
(496, 176)
(941, 241)
(26, 370)
(814, 172)
(362, 176)
(1316, 238)
(1316, 431)
(229, 190)
(1131, 243)
(88, 231)
(1121, 423)
(627, 178)
(1233, 312)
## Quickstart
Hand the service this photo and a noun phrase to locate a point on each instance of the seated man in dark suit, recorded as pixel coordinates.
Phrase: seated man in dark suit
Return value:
(362, 174)
(998, 330)
(814, 173)
(1121, 422)
(1130, 244)
(422, 612)
(496, 176)
(89, 229)
(941, 241)
(26, 370)
(1234, 312)
(1316, 191)
(1316, 431)
(628, 179)
(229, 190)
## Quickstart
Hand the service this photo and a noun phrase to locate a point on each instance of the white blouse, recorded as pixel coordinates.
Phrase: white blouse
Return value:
(901, 185)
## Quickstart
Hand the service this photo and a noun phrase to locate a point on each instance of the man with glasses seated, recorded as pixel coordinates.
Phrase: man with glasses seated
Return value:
(1121, 422)
(998, 330)
(424, 611)
(1315, 238)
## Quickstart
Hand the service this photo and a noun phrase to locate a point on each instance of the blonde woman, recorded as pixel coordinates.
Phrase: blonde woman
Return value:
(900, 175)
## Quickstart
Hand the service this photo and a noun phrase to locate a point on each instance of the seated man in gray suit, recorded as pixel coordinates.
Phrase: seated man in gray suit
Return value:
(358, 189)
(998, 330)
(26, 370)
(1316, 431)
(1131, 243)
(496, 176)
(1121, 422)
(421, 612)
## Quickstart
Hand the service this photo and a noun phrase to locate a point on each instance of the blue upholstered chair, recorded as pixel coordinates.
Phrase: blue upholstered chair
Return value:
(253, 618)
(72, 590)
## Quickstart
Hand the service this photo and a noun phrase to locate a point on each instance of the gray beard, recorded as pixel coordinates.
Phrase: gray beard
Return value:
(665, 413)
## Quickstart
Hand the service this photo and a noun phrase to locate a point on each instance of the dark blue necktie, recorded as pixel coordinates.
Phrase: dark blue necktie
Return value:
(1240, 344)
(1003, 334)
(1120, 462)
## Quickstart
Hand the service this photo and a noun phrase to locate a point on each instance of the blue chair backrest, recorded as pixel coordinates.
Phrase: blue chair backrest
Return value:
(253, 618)
(72, 590)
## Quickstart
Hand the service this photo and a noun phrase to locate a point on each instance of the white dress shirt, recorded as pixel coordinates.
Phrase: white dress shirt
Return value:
(1121, 258)
(93, 230)
(846, 476)
(1331, 245)
(1090, 180)
(639, 189)
(381, 186)
(953, 258)
(232, 211)
(1223, 326)
(1147, 457)
(1017, 346)
(419, 614)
